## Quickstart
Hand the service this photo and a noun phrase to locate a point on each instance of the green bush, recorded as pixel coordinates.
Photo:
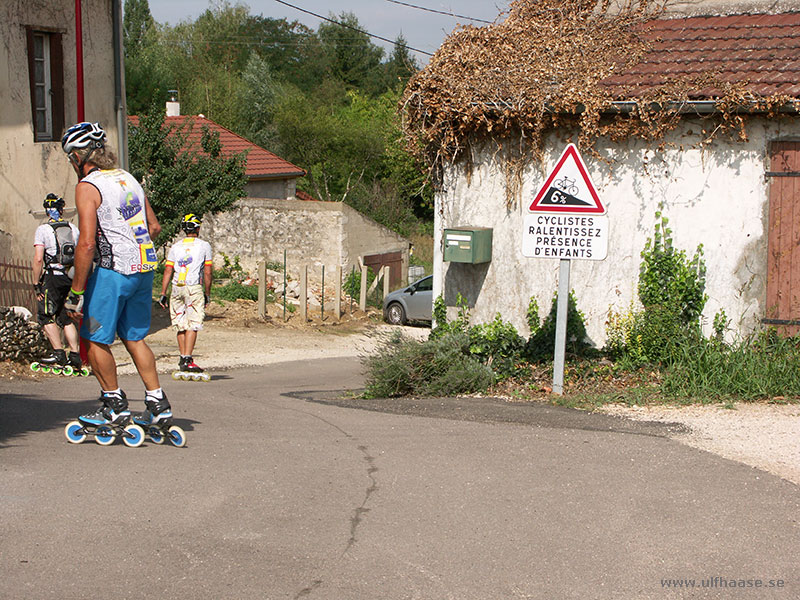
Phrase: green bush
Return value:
(542, 342)
(761, 366)
(437, 367)
(234, 291)
(498, 345)
(443, 327)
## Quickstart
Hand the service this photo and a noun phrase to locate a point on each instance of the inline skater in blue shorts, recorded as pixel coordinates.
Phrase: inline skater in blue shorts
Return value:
(117, 226)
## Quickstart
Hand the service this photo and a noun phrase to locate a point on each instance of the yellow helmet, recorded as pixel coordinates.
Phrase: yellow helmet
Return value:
(190, 223)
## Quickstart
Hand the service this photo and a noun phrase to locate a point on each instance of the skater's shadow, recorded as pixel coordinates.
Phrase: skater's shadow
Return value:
(23, 414)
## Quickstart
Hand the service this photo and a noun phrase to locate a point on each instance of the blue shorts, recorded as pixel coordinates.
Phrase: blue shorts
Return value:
(116, 304)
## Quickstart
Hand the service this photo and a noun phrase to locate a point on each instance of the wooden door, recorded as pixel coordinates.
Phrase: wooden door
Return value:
(783, 262)
(394, 260)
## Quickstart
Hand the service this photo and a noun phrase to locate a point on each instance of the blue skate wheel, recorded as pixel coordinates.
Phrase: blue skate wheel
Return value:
(156, 435)
(177, 437)
(104, 436)
(133, 436)
(74, 432)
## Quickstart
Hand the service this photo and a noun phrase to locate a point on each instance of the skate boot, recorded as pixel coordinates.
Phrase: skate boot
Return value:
(54, 363)
(190, 371)
(157, 421)
(107, 423)
(75, 365)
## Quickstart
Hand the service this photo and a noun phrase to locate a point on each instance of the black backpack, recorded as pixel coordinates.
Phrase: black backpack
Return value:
(65, 244)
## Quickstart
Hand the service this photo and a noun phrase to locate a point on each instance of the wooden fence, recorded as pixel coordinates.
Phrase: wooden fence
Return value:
(16, 284)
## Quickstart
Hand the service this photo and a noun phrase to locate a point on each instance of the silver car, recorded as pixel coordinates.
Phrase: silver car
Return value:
(412, 303)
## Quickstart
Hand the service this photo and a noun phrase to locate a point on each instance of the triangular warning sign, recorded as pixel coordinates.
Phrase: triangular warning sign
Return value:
(568, 188)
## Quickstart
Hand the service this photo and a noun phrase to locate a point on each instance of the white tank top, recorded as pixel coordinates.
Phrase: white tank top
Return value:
(123, 241)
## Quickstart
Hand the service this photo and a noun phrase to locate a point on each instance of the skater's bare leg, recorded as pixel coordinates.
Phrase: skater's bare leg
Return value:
(73, 339)
(53, 333)
(104, 366)
(145, 362)
(191, 338)
(182, 342)
(186, 342)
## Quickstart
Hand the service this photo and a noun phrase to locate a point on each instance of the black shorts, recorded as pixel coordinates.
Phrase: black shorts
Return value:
(55, 289)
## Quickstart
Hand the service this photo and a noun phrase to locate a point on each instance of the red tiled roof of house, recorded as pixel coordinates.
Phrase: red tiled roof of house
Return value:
(261, 163)
(301, 195)
(760, 50)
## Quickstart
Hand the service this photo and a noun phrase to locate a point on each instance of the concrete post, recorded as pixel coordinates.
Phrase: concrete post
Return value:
(304, 293)
(362, 300)
(337, 303)
(262, 289)
(386, 272)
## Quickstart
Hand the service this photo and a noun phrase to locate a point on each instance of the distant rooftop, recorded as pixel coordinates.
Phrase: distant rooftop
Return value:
(261, 163)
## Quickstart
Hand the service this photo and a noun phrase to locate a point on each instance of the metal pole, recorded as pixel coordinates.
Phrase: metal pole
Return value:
(561, 326)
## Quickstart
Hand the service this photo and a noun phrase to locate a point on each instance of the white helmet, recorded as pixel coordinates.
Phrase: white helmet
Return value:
(83, 135)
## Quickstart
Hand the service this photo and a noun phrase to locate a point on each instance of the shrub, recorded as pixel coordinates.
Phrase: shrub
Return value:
(541, 344)
(443, 327)
(765, 365)
(234, 291)
(436, 367)
(498, 345)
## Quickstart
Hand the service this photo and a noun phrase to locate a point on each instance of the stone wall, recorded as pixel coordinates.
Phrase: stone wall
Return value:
(312, 233)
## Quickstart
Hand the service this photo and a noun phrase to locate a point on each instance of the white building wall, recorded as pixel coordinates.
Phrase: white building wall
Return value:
(717, 197)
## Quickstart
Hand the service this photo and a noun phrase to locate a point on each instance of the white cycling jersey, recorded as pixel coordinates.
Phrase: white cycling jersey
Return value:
(123, 240)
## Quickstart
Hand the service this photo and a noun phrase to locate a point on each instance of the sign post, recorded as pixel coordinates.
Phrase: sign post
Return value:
(566, 220)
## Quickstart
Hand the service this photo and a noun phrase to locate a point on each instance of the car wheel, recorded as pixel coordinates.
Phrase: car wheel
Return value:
(395, 314)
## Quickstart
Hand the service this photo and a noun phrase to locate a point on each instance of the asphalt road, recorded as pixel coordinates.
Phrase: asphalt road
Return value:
(286, 491)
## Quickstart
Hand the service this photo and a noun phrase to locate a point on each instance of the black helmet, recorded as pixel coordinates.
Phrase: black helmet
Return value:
(53, 201)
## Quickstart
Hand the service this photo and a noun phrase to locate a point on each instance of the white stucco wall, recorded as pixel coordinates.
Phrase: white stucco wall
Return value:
(28, 169)
(717, 197)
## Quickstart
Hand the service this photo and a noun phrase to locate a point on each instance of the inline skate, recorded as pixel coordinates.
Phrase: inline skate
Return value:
(59, 364)
(156, 420)
(188, 370)
(109, 422)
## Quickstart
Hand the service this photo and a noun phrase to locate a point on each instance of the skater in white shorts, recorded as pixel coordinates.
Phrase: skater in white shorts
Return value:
(189, 270)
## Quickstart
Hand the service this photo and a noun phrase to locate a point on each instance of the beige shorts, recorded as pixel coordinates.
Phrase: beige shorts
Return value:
(187, 307)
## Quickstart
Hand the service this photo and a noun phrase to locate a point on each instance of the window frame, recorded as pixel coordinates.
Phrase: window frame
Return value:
(53, 82)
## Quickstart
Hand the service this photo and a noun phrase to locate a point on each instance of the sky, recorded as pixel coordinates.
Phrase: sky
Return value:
(422, 29)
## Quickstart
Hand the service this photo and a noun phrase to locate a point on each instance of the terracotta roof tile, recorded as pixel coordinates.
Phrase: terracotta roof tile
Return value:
(761, 50)
(261, 163)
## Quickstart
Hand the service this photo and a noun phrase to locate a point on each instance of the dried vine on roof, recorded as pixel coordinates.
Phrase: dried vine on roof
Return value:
(540, 69)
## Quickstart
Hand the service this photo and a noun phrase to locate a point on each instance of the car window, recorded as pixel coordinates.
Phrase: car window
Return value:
(424, 285)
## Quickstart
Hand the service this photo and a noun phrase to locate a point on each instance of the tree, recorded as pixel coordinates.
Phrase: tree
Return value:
(136, 24)
(178, 180)
(352, 58)
(400, 66)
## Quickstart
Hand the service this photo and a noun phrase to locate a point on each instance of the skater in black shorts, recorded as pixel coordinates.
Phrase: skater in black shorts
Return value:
(54, 248)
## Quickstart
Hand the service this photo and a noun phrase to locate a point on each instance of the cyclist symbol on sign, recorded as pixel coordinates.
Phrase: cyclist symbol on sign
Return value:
(566, 185)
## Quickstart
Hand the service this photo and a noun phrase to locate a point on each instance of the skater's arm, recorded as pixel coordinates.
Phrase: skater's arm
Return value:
(87, 200)
(153, 226)
(207, 278)
(38, 262)
(168, 271)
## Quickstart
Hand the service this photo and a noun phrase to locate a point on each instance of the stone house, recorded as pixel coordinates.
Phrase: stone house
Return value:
(52, 78)
(736, 194)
